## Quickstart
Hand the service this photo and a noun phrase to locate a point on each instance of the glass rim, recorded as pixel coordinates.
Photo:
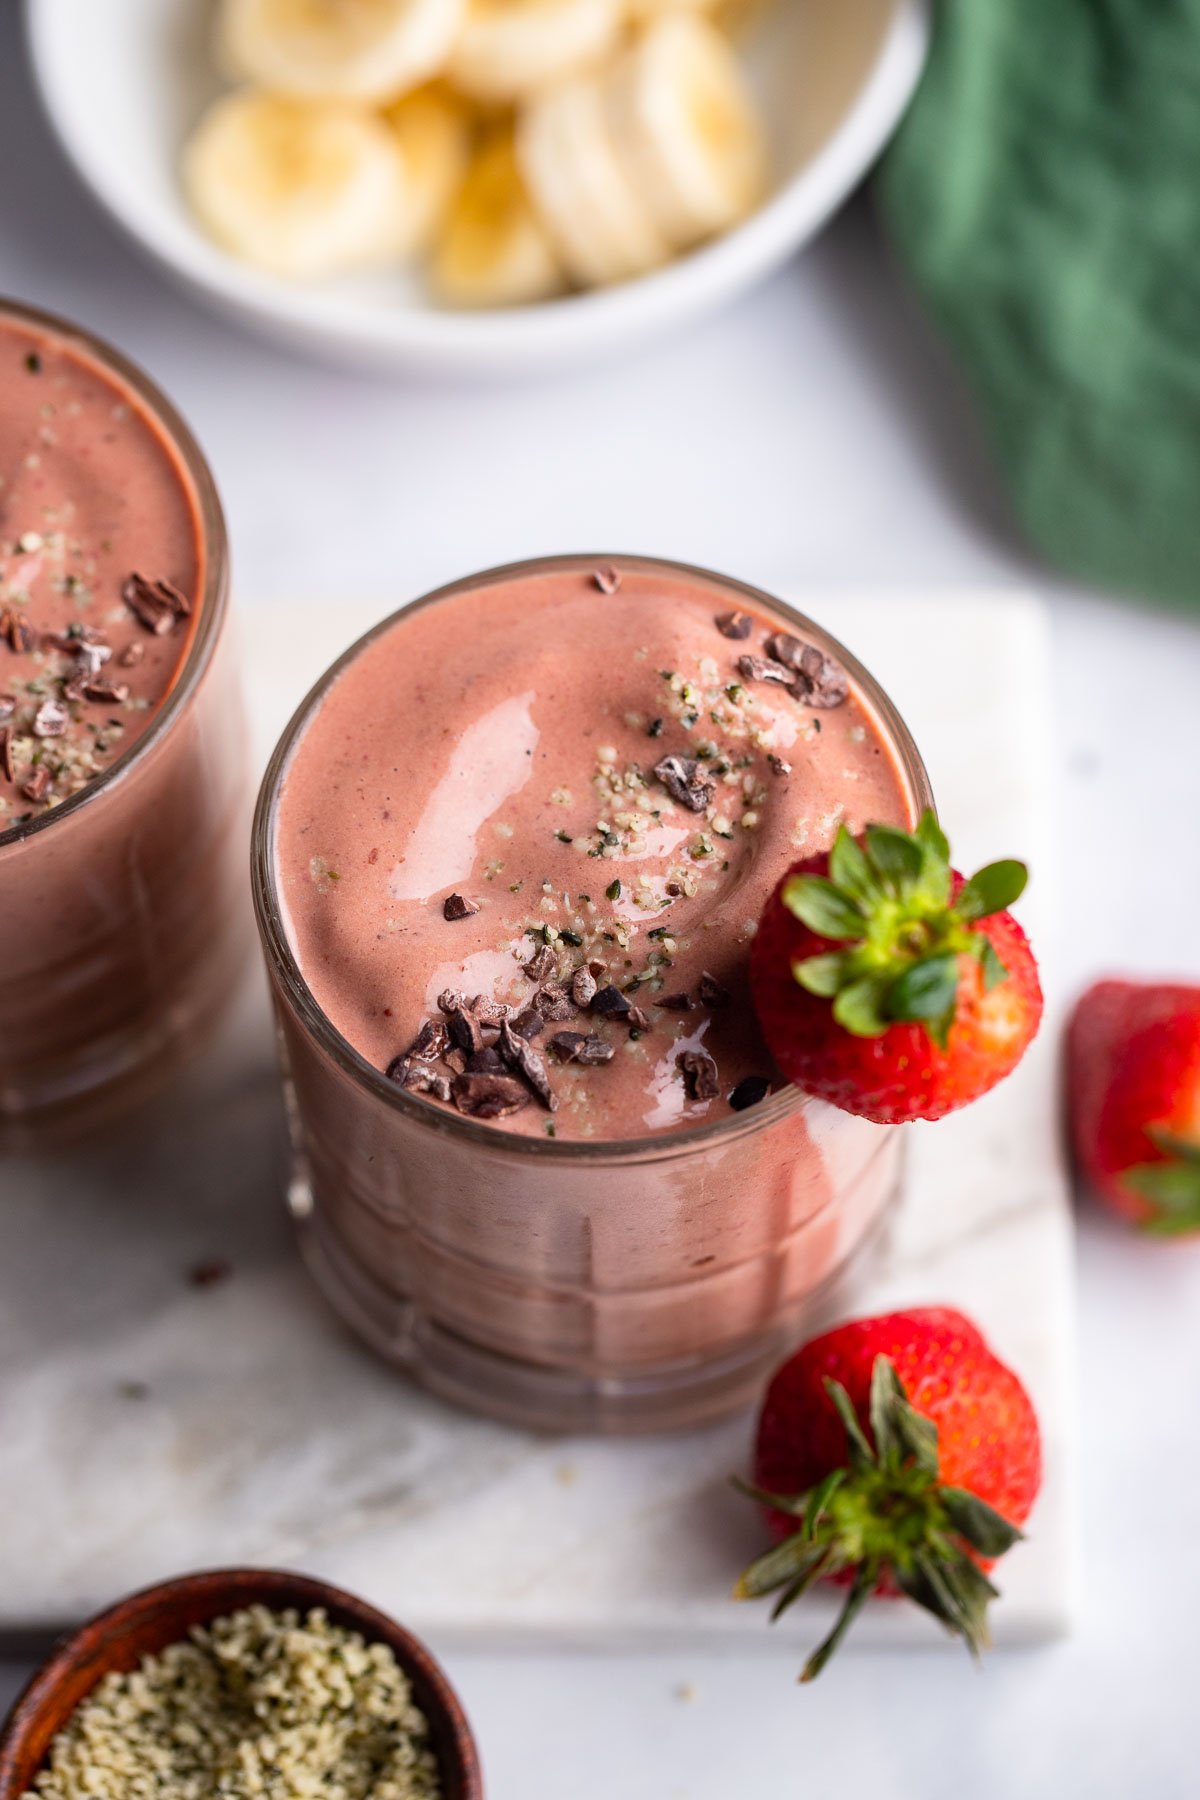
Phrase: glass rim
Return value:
(284, 968)
(213, 539)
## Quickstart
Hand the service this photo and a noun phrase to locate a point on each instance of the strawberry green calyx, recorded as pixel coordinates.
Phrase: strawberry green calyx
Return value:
(889, 902)
(1171, 1186)
(886, 1514)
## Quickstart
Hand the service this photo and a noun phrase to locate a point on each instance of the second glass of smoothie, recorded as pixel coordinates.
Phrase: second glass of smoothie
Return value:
(122, 753)
(508, 860)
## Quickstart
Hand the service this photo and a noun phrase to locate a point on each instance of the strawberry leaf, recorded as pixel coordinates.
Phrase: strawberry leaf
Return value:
(819, 1499)
(821, 975)
(931, 836)
(821, 1561)
(918, 1434)
(895, 855)
(859, 1008)
(850, 871)
(886, 1391)
(994, 971)
(984, 1528)
(926, 990)
(1172, 1187)
(778, 1567)
(821, 906)
(991, 890)
(861, 1452)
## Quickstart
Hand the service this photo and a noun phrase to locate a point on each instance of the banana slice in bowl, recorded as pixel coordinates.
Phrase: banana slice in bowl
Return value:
(435, 132)
(302, 189)
(603, 230)
(506, 50)
(367, 50)
(495, 250)
(688, 132)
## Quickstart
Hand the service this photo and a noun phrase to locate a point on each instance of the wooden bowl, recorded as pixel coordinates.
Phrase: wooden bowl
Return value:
(148, 1621)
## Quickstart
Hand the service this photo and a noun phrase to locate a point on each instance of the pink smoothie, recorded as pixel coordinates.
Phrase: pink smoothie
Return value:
(563, 807)
(121, 746)
(100, 569)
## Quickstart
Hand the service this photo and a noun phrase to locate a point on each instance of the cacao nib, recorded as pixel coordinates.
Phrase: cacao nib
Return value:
(686, 781)
(421, 1080)
(38, 784)
(573, 1046)
(430, 1042)
(520, 1055)
(700, 1075)
(554, 1002)
(51, 720)
(818, 680)
(541, 965)
(489, 1096)
(761, 668)
(458, 907)
(610, 1003)
(583, 987)
(488, 1011)
(749, 1092)
(156, 605)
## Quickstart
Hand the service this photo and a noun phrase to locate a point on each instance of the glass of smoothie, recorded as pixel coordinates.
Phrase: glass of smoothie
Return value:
(122, 758)
(508, 860)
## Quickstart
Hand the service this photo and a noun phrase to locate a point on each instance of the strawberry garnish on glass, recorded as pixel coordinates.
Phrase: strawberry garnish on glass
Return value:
(1133, 1081)
(897, 1455)
(888, 984)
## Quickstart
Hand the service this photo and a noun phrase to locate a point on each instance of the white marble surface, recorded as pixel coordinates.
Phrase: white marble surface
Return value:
(243, 1424)
(813, 428)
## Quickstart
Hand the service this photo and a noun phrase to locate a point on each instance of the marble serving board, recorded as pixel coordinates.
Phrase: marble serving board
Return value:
(174, 1394)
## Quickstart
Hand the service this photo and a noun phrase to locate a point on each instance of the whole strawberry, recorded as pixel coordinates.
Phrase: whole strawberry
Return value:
(889, 986)
(897, 1454)
(1133, 1084)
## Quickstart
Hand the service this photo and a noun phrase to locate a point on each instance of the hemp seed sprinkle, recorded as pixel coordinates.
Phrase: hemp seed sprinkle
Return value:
(259, 1703)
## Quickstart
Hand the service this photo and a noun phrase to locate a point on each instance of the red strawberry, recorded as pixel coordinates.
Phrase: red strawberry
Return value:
(1133, 1081)
(921, 1500)
(887, 984)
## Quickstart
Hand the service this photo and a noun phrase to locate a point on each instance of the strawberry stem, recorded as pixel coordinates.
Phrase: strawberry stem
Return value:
(1171, 1185)
(886, 1512)
(889, 903)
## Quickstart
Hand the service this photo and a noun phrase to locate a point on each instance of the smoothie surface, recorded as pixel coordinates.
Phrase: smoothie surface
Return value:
(100, 569)
(523, 840)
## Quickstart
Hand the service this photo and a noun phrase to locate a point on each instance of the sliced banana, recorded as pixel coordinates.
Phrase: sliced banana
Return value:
(495, 251)
(304, 190)
(368, 50)
(601, 227)
(508, 49)
(434, 130)
(684, 124)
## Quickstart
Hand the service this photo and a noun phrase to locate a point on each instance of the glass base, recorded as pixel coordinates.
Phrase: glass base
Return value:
(660, 1397)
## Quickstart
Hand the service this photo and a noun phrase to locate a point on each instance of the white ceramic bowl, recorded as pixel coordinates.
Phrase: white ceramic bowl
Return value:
(123, 82)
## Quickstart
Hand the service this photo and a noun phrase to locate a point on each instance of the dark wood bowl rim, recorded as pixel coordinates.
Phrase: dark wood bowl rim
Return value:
(153, 1617)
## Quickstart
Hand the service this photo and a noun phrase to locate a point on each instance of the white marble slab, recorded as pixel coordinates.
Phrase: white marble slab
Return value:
(148, 1425)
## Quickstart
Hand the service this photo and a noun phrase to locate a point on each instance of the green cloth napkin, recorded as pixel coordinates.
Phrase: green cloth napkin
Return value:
(1043, 193)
